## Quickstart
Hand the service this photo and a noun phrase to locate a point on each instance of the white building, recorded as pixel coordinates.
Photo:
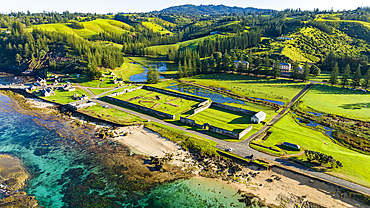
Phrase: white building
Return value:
(47, 92)
(41, 81)
(258, 117)
(285, 67)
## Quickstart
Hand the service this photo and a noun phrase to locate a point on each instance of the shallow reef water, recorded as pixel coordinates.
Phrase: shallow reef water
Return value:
(65, 172)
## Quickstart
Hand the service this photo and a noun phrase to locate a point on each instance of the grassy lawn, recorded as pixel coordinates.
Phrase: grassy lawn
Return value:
(112, 115)
(127, 70)
(355, 165)
(98, 91)
(63, 97)
(339, 101)
(222, 118)
(158, 101)
(274, 89)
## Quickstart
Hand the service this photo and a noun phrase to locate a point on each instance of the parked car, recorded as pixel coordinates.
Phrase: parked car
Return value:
(231, 149)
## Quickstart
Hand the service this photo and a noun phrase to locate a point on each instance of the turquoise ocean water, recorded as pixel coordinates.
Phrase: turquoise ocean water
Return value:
(57, 164)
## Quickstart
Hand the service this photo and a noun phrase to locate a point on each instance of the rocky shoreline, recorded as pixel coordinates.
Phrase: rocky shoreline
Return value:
(13, 178)
(148, 163)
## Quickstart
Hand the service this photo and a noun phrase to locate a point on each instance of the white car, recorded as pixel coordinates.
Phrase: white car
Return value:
(231, 149)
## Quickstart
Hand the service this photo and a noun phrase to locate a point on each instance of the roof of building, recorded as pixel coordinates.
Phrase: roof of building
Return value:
(285, 64)
(260, 115)
(291, 145)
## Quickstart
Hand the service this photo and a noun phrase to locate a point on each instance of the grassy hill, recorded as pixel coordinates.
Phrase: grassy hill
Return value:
(310, 44)
(163, 49)
(156, 28)
(91, 28)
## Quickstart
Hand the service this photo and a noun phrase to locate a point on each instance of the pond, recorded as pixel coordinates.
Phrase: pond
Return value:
(162, 67)
(214, 96)
(328, 131)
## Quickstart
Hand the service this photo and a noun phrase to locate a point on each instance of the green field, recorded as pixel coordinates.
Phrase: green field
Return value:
(127, 70)
(222, 118)
(158, 101)
(338, 101)
(91, 28)
(287, 130)
(274, 89)
(63, 97)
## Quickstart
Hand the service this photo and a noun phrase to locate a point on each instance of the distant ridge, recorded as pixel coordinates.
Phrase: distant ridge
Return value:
(211, 10)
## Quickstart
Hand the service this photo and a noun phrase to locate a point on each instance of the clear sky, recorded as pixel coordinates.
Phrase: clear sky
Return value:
(114, 6)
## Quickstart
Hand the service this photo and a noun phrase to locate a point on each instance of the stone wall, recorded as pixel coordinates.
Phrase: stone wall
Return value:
(203, 103)
(125, 91)
(235, 109)
(165, 115)
(189, 97)
(190, 122)
(202, 108)
(245, 131)
(215, 129)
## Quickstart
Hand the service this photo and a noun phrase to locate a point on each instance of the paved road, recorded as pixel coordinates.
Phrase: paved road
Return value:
(244, 150)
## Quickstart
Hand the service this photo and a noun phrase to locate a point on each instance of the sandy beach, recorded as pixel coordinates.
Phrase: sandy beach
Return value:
(275, 188)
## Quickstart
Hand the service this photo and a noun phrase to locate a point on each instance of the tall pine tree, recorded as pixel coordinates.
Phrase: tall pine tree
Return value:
(334, 74)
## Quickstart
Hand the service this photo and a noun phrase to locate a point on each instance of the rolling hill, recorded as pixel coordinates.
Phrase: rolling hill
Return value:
(91, 28)
(211, 10)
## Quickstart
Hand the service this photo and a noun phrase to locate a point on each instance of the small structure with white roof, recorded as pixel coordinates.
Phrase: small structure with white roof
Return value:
(258, 117)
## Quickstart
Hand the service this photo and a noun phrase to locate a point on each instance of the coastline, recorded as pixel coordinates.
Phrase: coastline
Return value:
(264, 184)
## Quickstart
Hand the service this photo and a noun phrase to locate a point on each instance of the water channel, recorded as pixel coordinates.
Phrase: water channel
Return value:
(214, 96)
(142, 77)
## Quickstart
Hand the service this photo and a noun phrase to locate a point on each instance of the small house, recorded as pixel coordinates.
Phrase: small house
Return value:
(118, 81)
(56, 82)
(68, 87)
(284, 38)
(258, 117)
(291, 146)
(32, 87)
(47, 92)
(238, 63)
(41, 81)
(285, 67)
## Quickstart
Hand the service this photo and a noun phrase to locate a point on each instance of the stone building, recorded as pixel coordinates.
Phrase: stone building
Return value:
(258, 117)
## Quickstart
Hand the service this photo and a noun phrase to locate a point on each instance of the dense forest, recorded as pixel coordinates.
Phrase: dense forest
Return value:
(198, 39)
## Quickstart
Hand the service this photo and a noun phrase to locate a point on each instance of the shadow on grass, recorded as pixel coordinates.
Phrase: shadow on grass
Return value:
(355, 106)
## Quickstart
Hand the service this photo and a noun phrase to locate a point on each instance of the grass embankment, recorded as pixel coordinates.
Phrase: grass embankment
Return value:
(159, 101)
(339, 101)
(91, 28)
(128, 69)
(274, 89)
(354, 163)
(63, 97)
(112, 115)
(184, 140)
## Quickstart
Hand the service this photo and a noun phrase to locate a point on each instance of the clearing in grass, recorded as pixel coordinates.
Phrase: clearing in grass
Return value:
(63, 97)
(339, 101)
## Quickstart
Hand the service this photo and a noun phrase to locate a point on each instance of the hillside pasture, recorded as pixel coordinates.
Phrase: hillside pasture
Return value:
(339, 101)
(163, 49)
(91, 28)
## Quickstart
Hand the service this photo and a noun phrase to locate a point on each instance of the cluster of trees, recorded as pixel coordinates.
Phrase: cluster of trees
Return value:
(152, 76)
(361, 14)
(342, 61)
(322, 158)
(20, 47)
(28, 18)
(345, 80)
